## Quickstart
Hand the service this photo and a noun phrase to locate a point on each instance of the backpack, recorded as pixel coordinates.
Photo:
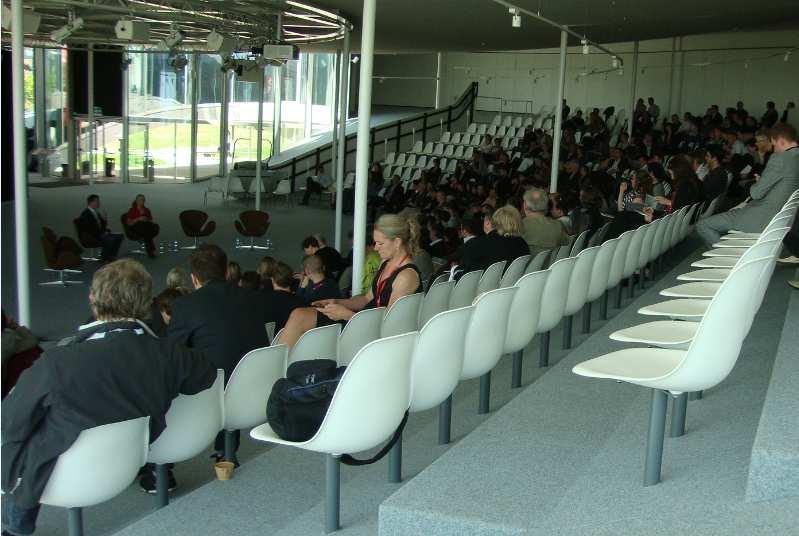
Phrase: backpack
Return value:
(298, 404)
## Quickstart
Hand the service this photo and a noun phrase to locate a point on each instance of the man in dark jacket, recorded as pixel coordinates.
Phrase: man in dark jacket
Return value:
(114, 370)
(94, 222)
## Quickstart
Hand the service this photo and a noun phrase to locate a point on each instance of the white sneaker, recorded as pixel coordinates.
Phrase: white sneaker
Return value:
(793, 259)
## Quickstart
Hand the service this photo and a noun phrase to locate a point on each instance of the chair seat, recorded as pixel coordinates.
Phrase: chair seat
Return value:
(264, 432)
(736, 243)
(641, 366)
(725, 252)
(715, 262)
(694, 289)
(675, 334)
(685, 309)
(706, 274)
(736, 235)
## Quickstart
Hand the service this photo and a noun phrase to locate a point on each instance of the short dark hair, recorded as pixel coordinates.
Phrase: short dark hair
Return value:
(282, 275)
(208, 262)
(250, 280)
(784, 131)
(473, 226)
(167, 298)
(92, 198)
(310, 241)
(715, 152)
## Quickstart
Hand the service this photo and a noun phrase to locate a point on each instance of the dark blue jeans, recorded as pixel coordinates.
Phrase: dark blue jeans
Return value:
(18, 521)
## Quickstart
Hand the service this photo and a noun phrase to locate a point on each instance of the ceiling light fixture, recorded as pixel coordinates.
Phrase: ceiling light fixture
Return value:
(65, 32)
(30, 20)
(221, 44)
(132, 30)
(787, 56)
(586, 47)
(179, 62)
(615, 62)
(516, 18)
(172, 40)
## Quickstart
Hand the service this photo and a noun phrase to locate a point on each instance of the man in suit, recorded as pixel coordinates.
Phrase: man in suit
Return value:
(766, 196)
(223, 320)
(95, 223)
(540, 231)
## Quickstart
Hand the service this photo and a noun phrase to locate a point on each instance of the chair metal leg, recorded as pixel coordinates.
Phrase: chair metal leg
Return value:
(567, 332)
(485, 393)
(75, 521)
(543, 351)
(587, 318)
(445, 421)
(395, 462)
(619, 296)
(333, 493)
(161, 485)
(679, 407)
(516, 373)
(654, 440)
(603, 305)
(631, 285)
(230, 446)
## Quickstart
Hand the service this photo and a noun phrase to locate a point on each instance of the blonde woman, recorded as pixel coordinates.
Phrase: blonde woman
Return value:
(396, 241)
(502, 241)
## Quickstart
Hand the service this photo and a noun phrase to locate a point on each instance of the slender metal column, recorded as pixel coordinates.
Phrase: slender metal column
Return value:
(516, 372)
(587, 317)
(39, 97)
(124, 147)
(20, 167)
(679, 407)
(90, 98)
(230, 446)
(224, 120)
(309, 80)
(543, 351)
(556, 134)
(343, 95)
(259, 144)
(445, 421)
(439, 58)
(484, 401)
(333, 492)
(567, 332)
(673, 58)
(161, 485)
(395, 462)
(633, 85)
(654, 441)
(75, 521)
(277, 82)
(195, 101)
(680, 75)
(364, 136)
(334, 139)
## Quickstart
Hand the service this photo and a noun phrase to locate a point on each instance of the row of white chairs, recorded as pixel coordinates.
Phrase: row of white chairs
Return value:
(699, 344)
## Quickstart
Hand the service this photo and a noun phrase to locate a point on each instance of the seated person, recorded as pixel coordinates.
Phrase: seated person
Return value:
(20, 350)
(95, 223)
(540, 232)
(250, 280)
(68, 389)
(315, 286)
(502, 241)
(280, 300)
(166, 300)
(233, 273)
(334, 264)
(265, 268)
(396, 240)
(140, 223)
(316, 184)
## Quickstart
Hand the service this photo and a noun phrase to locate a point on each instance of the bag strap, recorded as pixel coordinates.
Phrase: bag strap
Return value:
(349, 460)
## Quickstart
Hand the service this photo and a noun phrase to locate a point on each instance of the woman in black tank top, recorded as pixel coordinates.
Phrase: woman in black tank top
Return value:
(396, 241)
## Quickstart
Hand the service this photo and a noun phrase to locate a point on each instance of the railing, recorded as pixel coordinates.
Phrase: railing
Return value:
(396, 136)
(508, 105)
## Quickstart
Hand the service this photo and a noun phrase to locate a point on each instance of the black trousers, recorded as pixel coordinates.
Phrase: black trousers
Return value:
(791, 240)
(311, 187)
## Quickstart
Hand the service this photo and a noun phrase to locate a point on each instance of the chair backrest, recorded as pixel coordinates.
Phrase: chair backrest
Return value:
(316, 343)
(514, 271)
(538, 262)
(283, 187)
(371, 398)
(485, 338)
(440, 279)
(435, 301)
(720, 334)
(579, 243)
(255, 221)
(599, 235)
(438, 358)
(276, 338)
(580, 280)
(402, 316)
(362, 328)
(192, 423)
(556, 291)
(465, 290)
(634, 252)
(490, 278)
(99, 465)
(646, 246)
(657, 241)
(248, 387)
(524, 311)
(600, 272)
(562, 252)
(192, 221)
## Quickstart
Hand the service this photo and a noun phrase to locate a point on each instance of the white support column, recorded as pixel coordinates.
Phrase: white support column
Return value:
(556, 133)
(341, 146)
(195, 102)
(259, 146)
(334, 136)
(224, 112)
(20, 167)
(124, 147)
(667, 110)
(364, 139)
(309, 80)
(439, 58)
(277, 82)
(633, 85)
(680, 75)
(90, 98)
(39, 98)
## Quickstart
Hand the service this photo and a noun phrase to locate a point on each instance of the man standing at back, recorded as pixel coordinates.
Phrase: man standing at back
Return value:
(539, 231)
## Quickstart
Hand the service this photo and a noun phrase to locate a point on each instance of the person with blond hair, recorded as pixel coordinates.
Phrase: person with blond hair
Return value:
(396, 241)
(502, 241)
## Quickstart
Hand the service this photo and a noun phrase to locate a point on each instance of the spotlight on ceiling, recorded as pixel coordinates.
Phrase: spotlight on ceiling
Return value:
(217, 42)
(172, 40)
(65, 32)
(132, 30)
(179, 62)
(30, 20)
(586, 48)
(787, 56)
(516, 19)
(615, 62)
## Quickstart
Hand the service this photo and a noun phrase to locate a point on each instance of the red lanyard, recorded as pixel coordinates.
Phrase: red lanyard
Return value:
(381, 283)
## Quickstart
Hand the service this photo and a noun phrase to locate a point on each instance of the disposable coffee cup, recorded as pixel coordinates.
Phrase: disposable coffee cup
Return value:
(224, 470)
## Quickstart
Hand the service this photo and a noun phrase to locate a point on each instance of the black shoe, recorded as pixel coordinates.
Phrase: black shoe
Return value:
(147, 482)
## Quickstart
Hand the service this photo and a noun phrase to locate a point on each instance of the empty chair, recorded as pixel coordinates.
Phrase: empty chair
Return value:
(523, 319)
(406, 173)
(402, 316)
(492, 130)
(767, 247)
(446, 136)
(485, 339)
(472, 128)
(435, 301)
(517, 121)
(387, 174)
(553, 303)
(458, 152)
(375, 389)
(195, 225)
(417, 174)
(468, 153)
(514, 271)
(617, 266)
(452, 166)
(497, 120)
(490, 278)
(563, 251)
(360, 330)
(401, 160)
(428, 148)
(679, 309)
(417, 147)
(283, 188)
(579, 243)
(316, 343)
(482, 129)
(511, 132)
(439, 149)
(99, 465)
(252, 224)
(410, 161)
(456, 139)
(600, 275)
(449, 151)
(421, 162)
(578, 290)
(633, 256)
(502, 131)
(538, 261)
(390, 158)
(706, 363)
(247, 391)
(192, 423)
(465, 290)
(645, 252)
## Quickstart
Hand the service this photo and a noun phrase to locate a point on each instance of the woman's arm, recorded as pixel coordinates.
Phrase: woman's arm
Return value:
(405, 284)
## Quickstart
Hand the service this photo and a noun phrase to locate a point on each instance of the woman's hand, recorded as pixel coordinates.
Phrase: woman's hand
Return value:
(623, 187)
(648, 214)
(335, 311)
(322, 303)
(663, 200)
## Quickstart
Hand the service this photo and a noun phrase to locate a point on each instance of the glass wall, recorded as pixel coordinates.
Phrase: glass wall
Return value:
(55, 95)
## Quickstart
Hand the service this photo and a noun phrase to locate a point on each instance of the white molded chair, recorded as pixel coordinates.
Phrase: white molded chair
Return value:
(523, 319)
(435, 301)
(375, 389)
(578, 290)
(192, 423)
(633, 256)
(538, 262)
(99, 465)
(402, 316)
(706, 363)
(617, 266)
(417, 147)
(598, 286)
(456, 138)
(316, 343)
(248, 389)
(553, 303)
(579, 243)
(283, 188)
(465, 290)
(362, 328)
(428, 148)
(736, 242)
(400, 162)
(442, 278)
(769, 246)
(390, 158)
(490, 278)
(514, 271)
(679, 309)
(485, 339)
